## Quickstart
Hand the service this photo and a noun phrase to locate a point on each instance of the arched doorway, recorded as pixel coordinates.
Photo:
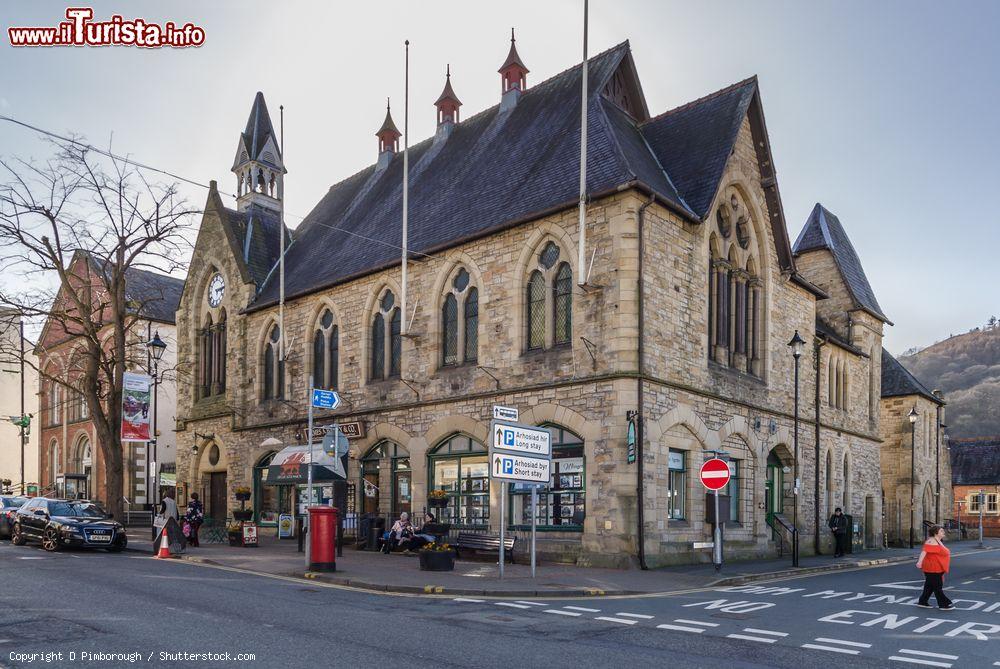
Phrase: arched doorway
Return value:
(459, 465)
(777, 482)
(394, 493)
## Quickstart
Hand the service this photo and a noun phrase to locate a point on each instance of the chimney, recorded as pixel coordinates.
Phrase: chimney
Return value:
(513, 77)
(447, 107)
(388, 139)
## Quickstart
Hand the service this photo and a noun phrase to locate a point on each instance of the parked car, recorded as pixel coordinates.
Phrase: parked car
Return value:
(67, 522)
(8, 509)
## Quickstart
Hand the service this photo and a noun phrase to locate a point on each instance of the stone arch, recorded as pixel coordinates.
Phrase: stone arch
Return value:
(442, 284)
(255, 453)
(261, 341)
(544, 232)
(314, 314)
(200, 463)
(927, 503)
(381, 432)
(683, 415)
(847, 474)
(452, 424)
(588, 430)
(375, 293)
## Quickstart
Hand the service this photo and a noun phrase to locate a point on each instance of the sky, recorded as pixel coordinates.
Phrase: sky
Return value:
(886, 112)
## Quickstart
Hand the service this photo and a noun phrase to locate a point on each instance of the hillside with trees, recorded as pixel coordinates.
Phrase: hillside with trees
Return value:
(966, 368)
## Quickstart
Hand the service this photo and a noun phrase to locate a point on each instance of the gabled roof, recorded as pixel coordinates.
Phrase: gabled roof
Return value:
(498, 170)
(975, 461)
(256, 232)
(158, 294)
(829, 333)
(897, 381)
(823, 231)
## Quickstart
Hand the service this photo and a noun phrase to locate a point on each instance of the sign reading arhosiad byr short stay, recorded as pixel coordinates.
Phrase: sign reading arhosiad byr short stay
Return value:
(520, 452)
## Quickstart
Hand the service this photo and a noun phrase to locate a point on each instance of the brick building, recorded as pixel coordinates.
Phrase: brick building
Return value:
(70, 462)
(683, 313)
(975, 469)
(916, 469)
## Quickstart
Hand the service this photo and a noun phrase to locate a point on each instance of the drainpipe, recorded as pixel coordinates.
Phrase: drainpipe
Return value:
(640, 431)
(937, 461)
(817, 345)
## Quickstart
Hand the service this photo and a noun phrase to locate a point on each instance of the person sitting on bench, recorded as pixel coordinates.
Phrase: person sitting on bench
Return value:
(401, 530)
(419, 538)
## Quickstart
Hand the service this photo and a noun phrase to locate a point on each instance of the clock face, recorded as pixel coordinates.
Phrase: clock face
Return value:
(216, 289)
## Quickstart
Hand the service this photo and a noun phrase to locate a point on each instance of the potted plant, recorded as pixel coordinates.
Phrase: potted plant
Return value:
(235, 533)
(437, 557)
(243, 494)
(437, 499)
(243, 514)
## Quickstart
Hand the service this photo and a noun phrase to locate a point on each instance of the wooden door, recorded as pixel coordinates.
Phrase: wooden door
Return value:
(217, 496)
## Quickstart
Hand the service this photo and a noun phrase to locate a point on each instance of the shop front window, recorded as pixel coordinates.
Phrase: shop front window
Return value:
(562, 503)
(270, 501)
(460, 467)
(677, 500)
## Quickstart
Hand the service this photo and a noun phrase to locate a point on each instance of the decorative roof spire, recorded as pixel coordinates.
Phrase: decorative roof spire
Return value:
(388, 135)
(448, 103)
(513, 70)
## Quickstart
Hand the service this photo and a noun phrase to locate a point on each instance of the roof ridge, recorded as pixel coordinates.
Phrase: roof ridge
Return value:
(704, 98)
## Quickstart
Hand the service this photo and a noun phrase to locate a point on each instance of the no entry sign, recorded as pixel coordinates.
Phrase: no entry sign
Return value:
(715, 474)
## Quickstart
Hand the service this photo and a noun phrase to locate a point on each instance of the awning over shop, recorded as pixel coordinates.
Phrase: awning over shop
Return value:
(290, 465)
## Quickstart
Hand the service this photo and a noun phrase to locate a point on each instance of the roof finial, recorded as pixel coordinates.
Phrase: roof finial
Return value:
(447, 71)
(512, 34)
(387, 104)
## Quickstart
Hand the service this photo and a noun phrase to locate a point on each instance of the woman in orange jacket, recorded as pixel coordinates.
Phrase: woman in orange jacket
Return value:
(934, 560)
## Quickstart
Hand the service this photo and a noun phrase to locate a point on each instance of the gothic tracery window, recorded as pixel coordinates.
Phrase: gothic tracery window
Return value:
(386, 339)
(273, 386)
(735, 290)
(549, 301)
(460, 321)
(326, 351)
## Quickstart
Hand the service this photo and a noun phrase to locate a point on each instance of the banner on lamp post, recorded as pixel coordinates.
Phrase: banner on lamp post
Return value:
(135, 406)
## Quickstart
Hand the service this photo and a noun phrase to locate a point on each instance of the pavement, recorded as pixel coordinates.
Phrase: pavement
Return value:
(95, 609)
(479, 578)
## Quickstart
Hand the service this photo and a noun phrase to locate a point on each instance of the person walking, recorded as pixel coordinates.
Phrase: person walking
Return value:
(838, 525)
(934, 561)
(168, 512)
(194, 517)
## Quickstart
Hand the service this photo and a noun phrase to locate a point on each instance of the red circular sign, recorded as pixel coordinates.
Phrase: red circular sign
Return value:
(715, 474)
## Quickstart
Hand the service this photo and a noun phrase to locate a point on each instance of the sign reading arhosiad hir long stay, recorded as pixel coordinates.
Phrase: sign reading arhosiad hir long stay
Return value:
(135, 407)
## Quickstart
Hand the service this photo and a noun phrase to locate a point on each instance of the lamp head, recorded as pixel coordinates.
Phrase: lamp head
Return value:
(156, 347)
(913, 414)
(797, 345)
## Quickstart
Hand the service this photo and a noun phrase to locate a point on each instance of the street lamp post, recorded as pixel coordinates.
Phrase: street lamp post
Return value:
(156, 348)
(913, 464)
(796, 344)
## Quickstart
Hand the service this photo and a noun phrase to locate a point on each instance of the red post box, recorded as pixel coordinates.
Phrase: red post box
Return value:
(322, 538)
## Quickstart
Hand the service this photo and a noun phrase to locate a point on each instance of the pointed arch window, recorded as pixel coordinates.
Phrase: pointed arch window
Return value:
(387, 340)
(460, 321)
(274, 367)
(326, 351)
(207, 352)
(549, 301)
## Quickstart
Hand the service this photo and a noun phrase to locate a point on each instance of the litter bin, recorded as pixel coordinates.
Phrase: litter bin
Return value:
(322, 538)
(376, 528)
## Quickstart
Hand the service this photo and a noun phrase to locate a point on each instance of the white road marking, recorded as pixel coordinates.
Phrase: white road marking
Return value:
(922, 653)
(563, 613)
(512, 605)
(469, 601)
(521, 601)
(695, 622)
(32, 557)
(623, 621)
(814, 646)
(913, 660)
(681, 628)
(967, 582)
(581, 608)
(751, 638)
(857, 644)
(635, 615)
(753, 630)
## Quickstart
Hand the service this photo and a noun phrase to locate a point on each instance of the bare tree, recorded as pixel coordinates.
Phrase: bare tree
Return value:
(72, 229)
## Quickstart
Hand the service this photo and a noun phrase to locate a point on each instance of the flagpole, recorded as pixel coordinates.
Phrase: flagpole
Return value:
(581, 258)
(406, 186)
(281, 246)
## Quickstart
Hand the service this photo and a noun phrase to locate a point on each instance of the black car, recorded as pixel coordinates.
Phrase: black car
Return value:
(8, 509)
(67, 522)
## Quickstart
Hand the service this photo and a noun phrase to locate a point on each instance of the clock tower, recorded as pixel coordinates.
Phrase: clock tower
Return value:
(258, 165)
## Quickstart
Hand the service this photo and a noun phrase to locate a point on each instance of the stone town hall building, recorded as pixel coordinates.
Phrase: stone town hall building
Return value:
(691, 293)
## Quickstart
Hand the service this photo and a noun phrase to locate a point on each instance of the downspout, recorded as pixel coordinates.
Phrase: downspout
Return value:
(640, 432)
(817, 345)
(937, 461)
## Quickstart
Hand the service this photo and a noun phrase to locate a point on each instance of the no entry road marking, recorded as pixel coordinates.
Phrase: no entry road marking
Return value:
(695, 622)
(521, 601)
(823, 643)
(563, 613)
(513, 605)
(623, 621)
(681, 628)
(640, 616)
(468, 601)
(923, 654)
(581, 608)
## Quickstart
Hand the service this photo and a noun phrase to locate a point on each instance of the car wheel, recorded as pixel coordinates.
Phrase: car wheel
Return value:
(50, 540)
(17, 538)
(118, 546)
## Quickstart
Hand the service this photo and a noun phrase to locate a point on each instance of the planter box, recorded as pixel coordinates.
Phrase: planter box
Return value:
(437, 560)
(437, 502)
(243, 515)
(243, 496)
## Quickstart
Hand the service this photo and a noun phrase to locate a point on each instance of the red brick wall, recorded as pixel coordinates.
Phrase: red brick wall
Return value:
(991, 520)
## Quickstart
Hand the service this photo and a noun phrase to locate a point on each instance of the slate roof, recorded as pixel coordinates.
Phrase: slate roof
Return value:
(828, 332)
(897, 381)
(496, 170)
(823, 230)
(158, 294)
(258, 128)
(975, 461)
(256, 230)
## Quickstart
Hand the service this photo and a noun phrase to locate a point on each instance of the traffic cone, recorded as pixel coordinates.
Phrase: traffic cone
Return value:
(164, 546)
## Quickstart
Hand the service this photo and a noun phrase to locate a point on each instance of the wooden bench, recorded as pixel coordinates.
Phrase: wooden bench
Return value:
(485, 542)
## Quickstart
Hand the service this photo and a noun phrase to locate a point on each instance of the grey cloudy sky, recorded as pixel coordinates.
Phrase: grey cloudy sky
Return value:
(886, 112)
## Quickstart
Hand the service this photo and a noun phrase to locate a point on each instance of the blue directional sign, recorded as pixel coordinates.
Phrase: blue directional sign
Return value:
(325, 399)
